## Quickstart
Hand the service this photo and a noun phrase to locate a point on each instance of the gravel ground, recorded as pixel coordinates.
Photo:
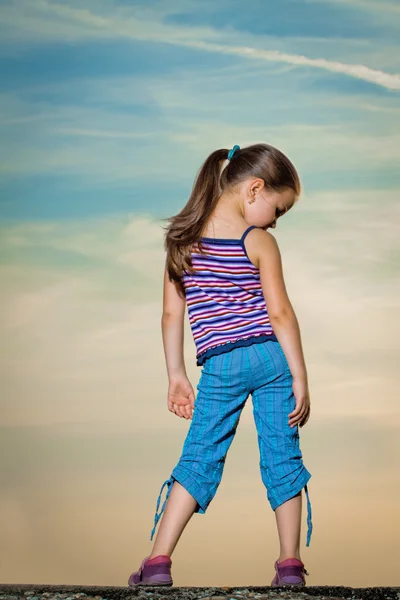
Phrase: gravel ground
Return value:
(63, 592)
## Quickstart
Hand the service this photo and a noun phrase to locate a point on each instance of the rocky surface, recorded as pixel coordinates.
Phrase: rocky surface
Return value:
(64, 592)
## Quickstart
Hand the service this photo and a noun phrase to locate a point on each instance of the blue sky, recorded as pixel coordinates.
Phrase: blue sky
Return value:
(96, 97)
(107, 110)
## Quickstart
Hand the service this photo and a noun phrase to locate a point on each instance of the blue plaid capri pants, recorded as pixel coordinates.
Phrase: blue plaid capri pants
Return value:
(226, 381)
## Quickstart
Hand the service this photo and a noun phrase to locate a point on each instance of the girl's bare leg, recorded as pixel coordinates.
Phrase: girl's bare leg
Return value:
(288, 520)
(178, 511)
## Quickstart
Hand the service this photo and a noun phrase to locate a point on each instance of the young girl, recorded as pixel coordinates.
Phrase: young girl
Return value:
(225, 266)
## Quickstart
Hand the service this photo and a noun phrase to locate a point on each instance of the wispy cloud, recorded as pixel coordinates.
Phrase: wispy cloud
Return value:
(372, 5)
(359, 71)
(103, 134)
(105, 156)
(85, 23)
(177, 118)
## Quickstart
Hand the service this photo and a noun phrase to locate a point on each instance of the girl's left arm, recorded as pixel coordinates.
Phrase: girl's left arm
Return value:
(180, 391)
(172, 324)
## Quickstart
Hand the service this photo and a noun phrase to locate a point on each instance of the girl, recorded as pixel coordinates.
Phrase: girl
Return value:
(225, 266)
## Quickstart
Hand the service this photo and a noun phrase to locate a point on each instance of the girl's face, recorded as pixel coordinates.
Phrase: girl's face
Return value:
(264, 207)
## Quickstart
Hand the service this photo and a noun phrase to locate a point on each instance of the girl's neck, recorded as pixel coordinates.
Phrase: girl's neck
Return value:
(225, 222)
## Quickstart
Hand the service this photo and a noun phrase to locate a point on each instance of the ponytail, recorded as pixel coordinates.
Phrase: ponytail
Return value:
(187, 226)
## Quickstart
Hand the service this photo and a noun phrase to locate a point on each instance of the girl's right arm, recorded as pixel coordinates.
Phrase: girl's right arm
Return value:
(263, 250)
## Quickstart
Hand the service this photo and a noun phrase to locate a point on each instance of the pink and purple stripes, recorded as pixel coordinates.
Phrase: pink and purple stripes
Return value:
(224, 297)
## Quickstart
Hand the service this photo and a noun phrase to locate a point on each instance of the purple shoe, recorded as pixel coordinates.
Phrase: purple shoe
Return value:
(158, 572)
(289, 572)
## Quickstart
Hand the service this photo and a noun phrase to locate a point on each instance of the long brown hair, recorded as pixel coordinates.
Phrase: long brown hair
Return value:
(259, 160)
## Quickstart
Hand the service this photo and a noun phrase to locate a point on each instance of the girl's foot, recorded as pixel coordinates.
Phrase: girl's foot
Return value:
(156, 571)
(289, 572)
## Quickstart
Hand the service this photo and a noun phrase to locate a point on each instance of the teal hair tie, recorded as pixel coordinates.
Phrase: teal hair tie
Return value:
(232, 151)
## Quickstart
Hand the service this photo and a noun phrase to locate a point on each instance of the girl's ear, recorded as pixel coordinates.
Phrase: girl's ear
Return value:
(256, 185)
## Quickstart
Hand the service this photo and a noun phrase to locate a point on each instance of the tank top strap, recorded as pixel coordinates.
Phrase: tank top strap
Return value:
(246, 232)
(242, 239)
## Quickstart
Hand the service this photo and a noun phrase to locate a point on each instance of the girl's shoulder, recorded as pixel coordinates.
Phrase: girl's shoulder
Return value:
(258, 243)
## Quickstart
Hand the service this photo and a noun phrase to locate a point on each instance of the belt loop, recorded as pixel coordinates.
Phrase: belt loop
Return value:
(309, 514)
(168, 482)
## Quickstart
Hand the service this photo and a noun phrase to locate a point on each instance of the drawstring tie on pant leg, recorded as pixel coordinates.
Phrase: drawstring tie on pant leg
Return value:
(157, 517)
(309, 513)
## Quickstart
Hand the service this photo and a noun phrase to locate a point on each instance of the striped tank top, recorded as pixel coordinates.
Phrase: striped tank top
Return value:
(224, 297)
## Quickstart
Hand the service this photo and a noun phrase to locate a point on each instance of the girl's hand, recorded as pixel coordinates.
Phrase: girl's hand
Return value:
(181, 397)
(301, 413)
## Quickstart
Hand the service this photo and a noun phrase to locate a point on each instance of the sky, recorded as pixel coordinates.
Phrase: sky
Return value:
(107, 110)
